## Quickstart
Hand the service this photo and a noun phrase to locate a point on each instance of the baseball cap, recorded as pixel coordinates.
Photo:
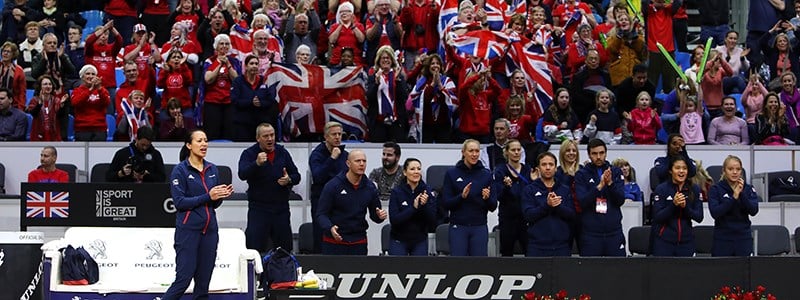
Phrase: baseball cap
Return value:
(139, 27)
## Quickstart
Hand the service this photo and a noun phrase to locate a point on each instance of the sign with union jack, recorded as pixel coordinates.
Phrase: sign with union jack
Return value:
(47, 204)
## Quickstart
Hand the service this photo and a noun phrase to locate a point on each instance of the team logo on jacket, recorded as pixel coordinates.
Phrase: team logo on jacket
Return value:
(190, 176)
(459, 179)
(404, 203)
(538, 194)
(343, 192)
(591, 180)
(175, 181)
(726, 196)
(2, 255)
(669, 198)
(656, 198)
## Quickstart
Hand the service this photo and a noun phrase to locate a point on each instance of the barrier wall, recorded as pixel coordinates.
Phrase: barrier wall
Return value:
(21, 157)
(386, 277)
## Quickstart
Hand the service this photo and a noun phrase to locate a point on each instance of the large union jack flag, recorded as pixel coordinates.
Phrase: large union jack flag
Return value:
(496, 14)
(532, 59)
(47, 204)
(309, 96)
(483, 43)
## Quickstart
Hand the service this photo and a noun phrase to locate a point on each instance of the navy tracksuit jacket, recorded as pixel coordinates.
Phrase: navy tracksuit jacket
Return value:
(411, 225)
(268, 201)
(344, 205)
(548, 227)
(673, 224)
(196, 229)
(600, 233)
(471, 211)
(513, 227)
(731, 218)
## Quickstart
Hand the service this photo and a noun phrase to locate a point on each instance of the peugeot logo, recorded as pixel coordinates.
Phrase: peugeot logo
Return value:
(155, 249)
(99, 247)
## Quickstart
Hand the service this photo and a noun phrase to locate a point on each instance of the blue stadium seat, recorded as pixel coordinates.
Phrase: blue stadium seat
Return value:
(739, 105)
(71, 128)
(93, 18)
(220, 141)
(28, 130)
(661, 136)
(683, 59)
(28, 97)
(111, 123)
(120, 75)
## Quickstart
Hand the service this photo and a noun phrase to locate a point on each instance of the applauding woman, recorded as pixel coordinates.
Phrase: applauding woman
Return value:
(510, 181)
(548, 208)
(45, 108)
(197, 194)
(677, 203)
(412, 212)
(730, 201)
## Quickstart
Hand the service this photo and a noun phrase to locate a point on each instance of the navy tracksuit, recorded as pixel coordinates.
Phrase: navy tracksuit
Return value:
(344, 205)
(410, 226)
(468, 235)
(549, 228)
(196, 230)
(323, 168)
(569, 181)
(513, 228)
(601, 232)
(732, 236)
(267, 201)
(672, 224)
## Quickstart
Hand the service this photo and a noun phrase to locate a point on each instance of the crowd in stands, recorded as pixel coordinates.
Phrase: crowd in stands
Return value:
(189, 63)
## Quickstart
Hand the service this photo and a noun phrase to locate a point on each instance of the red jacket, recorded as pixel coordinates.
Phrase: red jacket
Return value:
(103, 57)
(426, 16)
(90, 108)
(476, 110)
(176, 84)
(18, 85)
(644, 126)
(219, 91)
(120, 8)
(39, 175)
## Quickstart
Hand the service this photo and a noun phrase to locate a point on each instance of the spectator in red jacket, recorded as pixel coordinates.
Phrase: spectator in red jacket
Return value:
(45, 108)
(132, 82)
(90, 101)
(176, 78)
(144, 51)
(346, 32)
(478, 106)
(12, 77)
(420, 19)
(102, 55)
(643, 121)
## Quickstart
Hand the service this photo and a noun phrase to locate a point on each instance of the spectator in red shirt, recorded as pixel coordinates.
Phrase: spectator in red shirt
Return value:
(478, 106)
(383, 29)
(102, 55)
(189, 16)
(45, 108)
(144, 52)
(572, 13)
(219, 71)
(47, 172)
(131, 83)
(419, 19)
(176, 78)
(346, 32)
(521, 124)
(90, 101)
(180, 41)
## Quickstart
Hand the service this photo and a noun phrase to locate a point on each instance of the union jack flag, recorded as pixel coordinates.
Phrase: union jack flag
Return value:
(309, 96)
(241, 42)
(495, 14)
(47, 204)
(532, 59)
(483, 43)
(446, 96)
(517, 7)
(448, 13)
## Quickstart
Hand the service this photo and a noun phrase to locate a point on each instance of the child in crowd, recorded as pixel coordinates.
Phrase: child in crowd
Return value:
(643, 121)
(691, 118)
(602, 123)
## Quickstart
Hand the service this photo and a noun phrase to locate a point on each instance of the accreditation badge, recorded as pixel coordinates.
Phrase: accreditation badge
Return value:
(601, 205)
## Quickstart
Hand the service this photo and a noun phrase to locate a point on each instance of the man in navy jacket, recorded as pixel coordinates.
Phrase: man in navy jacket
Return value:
(326, 161)
(270, 174)
(341, 208)
(601, 193)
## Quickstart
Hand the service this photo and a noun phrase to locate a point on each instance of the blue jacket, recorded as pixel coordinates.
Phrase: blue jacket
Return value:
(731, 220)
(189, 189)
(263, 189)
(323, 168)
(510, 198)
(472, 210)
(672, 223)
(242, 94)
(633, 192)
(662, 167)
(569, 182)
(343, 205)
(411, 224)
(586, 181)
(548, 227)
